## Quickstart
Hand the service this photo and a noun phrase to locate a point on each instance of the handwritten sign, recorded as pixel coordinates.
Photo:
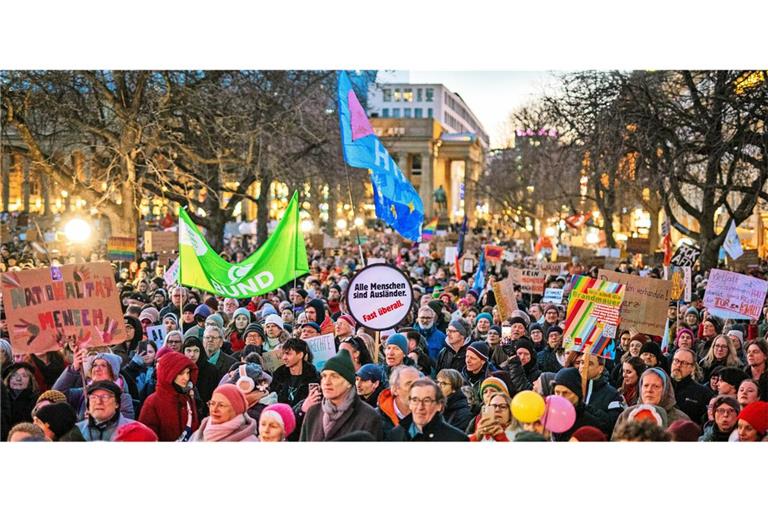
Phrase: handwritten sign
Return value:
(645, 304)
(553, 296)
(732, 295)
(45, 305)
(530, 280)
(592, 316)
(680, 277)
(379, 297)
(552, 269)
(157, 334)
(161, 241)
(685, 255)
(273, 359)
(323, 348)
(504, 292)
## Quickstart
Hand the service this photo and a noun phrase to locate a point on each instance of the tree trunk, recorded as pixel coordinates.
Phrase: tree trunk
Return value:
(333, 200)
(710, 251)
(262, 209)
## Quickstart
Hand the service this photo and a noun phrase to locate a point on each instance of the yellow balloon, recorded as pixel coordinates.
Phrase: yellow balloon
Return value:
(527, 406)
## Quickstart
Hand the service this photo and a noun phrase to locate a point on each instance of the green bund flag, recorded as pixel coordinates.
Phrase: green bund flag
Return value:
(282, 258)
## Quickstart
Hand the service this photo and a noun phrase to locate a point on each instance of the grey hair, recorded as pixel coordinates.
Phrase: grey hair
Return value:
(427, 382)
(394, 377)
(215, 328)
(5, 347)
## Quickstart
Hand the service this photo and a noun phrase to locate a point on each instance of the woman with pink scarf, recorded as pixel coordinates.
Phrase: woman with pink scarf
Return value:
(228, 420)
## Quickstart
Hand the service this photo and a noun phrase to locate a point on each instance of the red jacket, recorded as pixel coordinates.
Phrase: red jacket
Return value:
(166, 410)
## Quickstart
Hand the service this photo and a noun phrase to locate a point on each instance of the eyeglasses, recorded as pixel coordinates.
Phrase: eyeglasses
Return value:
(680, 362)
(100, 365)
(100, 398)
(498, 407)
(426, 402)
(721, 346)
(217, 405)
(450, 330)
(725, 411)
(426, 318)
(443, 383)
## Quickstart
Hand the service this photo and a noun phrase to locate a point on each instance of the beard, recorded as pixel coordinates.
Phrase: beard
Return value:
(427, 326)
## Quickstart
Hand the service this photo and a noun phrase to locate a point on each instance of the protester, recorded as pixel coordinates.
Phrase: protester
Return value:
(58, 422)
(368, 382)
(725, 410)
(277, 422)
(228, 421)
(457, 411)
(104, 416)
(753, 422)
(425, 422)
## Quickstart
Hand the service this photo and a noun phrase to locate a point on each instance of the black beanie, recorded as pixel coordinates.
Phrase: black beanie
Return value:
(732, 376)
(319, 306)
(518, 320)
(554, 328)
(527, 345)
(59, 416)
(254, 327)
(189, 308)
(342, 364)
(653, 348)
(570, 378)
(480, 349)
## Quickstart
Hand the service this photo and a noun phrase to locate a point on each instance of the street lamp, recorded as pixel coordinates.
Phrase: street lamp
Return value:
(77, 230)
(307, 225)
(358, 222)
(341, 224)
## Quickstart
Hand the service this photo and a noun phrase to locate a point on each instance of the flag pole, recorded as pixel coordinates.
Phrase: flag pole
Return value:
(352, 204)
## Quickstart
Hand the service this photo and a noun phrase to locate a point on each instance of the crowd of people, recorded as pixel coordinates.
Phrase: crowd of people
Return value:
(242, 370)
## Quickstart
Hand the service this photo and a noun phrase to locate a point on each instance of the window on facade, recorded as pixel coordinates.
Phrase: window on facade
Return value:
(406, 112)
(387, 95)
(416, 162)
(418, 113)
(398, 96)
(395, 112)
(419, 96)
(408, 95)
(430, 113)
(430, 94)
(385, 112)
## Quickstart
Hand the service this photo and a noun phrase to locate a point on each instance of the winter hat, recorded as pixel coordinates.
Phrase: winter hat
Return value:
(650, 347)
(518, 313)
(274, 319)
(736, 334)
(135, 432)
(319, 306)
(242, 311)
(474, 293)
(480, 349)
(571, 379)
(254, 327)
(652, 413)
(217, 318)
(163, 351)
(554, 328)
(150, 313)
(732, 376)
(716, 322)
(496, 329)
(162, 292)
(526, 344)
(203, 311)
(756, 414)
(684, 431)
(191, 334)
(692, 311)
(642, 338)
(460, 326)
(302, 292)
(370, 372)
(349, 320)
(660, 374)
(52, 396)
(268, 309)
(189, 308)
(588, 434)
(254, 371)
(106, 385)
(518, 320)
(551, 306)
(683, 330)
(113, 360)
(535, 327)
(487, 316)
(283, 414)
(495, 383)
(341, 363)
(527, 436)
(436, 306)
(60, 417)
(285, 305)
(313, 325)
(234, 396)
(399, 341)
(173, 316)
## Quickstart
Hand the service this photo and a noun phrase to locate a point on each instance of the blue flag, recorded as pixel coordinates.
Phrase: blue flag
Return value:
(462, 234)
(397, 202)
(479, 283)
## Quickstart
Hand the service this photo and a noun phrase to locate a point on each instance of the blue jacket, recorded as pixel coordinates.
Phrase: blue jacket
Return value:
(435, 339)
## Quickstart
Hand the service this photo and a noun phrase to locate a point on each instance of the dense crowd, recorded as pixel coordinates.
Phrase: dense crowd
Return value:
(453, 370)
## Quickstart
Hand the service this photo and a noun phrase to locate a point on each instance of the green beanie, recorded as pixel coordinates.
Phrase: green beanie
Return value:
(341, 363)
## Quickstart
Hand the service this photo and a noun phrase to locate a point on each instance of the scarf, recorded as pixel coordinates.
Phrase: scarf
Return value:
(239, 428)
(332, 413)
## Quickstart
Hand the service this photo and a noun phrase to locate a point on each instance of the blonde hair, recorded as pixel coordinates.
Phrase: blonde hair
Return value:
(731, 360)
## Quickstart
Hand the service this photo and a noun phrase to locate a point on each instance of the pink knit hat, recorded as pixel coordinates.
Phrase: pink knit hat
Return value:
(284, 414)
(234, 396)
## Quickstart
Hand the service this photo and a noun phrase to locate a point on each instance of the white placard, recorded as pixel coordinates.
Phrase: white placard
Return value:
(450, 255)
(157, 334)
(323, 348)
(553, 295)
(379, 297)
(424, 249)
(171, 275)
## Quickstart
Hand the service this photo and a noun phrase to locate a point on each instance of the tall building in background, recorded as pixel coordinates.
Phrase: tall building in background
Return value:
(436, 140)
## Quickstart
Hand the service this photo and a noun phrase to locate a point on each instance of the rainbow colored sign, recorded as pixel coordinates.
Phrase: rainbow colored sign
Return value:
(592, 316)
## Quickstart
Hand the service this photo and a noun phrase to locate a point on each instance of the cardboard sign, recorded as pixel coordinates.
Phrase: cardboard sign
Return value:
(121, 248)
(44, 305)
(530, 280)
(680, 277)
(504, 292)
(552, 269)
(732, 295)
(273, 359)
(685, 256)
(161, 241)
(592, 316)
(323, 348)
(645, 301)
(379, 297)
(553, 296)
(638, 245)
(157, 334)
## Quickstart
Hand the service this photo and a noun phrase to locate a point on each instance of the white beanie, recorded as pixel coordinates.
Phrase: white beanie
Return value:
(274, 319)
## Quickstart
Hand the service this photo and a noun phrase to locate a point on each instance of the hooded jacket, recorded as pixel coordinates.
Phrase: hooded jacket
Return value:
(435, 339)
(667, 402)
(166, 411)
(207, 374)
(325, 323)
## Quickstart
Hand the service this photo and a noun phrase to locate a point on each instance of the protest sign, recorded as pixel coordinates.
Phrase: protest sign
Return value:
(592, 316)
(551, 269)
(323, 348)
(424, 249)
(685, 255)
(732, 295)
(121, 248)
(467, 265)
(379, 296)
(161, 241)
(493, 253)
(273, 359)
(504, 292)
(645, 301)
(450, 255)
(680, 277)
(530, 280)
(638, 245)
(171, 275)
(45, 305)
(157, 334)
(553, 296)
(376, 261)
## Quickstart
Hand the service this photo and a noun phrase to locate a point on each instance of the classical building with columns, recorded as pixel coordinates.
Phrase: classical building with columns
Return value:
(436, 141)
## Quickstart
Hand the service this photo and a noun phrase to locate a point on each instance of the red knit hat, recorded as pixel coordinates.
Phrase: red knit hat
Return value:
(234, 396)
(349, 320)
(588, 434)
(284, 414)
(756, 414)
(684, 431)
(135, 432)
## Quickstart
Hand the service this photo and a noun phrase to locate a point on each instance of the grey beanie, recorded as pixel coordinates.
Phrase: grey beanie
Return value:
(460, 326)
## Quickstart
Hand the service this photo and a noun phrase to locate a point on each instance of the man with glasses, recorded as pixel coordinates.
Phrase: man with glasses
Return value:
(425, 325)
(173, 341)
(104, 416)
(213, 339)
(725, 412)
(426, 423)
(454, 354)
(178, 295)
(692, 398)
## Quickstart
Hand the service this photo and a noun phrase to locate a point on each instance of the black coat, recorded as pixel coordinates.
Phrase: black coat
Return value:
(447, 358)
(547, 360)
(586, 416)
(22, 405)
(223, 363)
(605, 399)
(293, 393)
(435, 430)
(522, 377)
(692, 398)
(457, 412)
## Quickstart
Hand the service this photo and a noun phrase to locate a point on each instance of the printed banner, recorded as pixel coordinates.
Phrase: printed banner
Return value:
(379, 297)
(121, 248)
(323, 348)
(157, 333)
(45, 305)
(593, 316)
(685, 255)
(553, 296)
(530, 280)
(645, 304)
(732, 295)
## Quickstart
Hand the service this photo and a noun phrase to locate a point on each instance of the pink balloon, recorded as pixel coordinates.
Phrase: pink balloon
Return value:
(559, 415)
